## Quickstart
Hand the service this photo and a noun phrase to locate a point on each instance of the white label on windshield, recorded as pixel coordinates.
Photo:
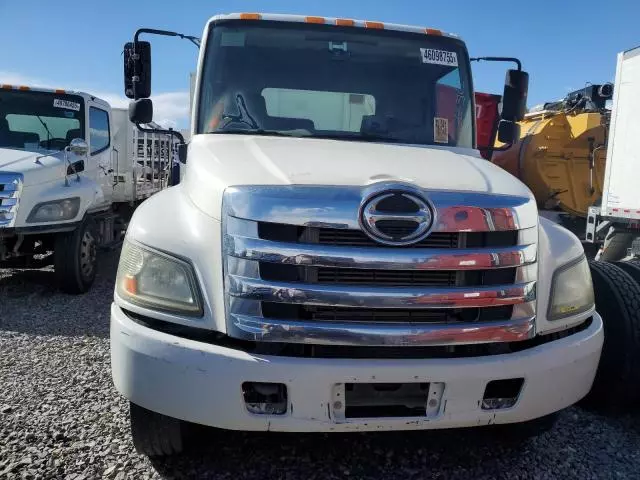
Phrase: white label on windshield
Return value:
(66, 104)
(439, 57)
(440, 130)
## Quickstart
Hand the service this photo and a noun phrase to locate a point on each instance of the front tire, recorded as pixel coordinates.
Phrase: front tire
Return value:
(617, 296)
(155, 434)
(75, 258)
(522, 432)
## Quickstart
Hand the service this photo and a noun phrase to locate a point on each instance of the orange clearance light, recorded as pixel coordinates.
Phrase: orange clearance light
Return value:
(345, 22)
(378, 25)
(6, 87)
(432, 31)
(250, 16)
(59, 90)
(131, 285)
(23, 87)
(314, 19)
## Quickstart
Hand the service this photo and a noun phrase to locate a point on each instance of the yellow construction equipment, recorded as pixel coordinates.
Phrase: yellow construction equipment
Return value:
(561, 152)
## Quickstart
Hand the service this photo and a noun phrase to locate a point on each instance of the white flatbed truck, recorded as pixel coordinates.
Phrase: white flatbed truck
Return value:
(72, 169)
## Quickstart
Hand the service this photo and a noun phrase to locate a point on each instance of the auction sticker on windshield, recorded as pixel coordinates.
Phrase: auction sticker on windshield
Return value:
(439, 57)
(66, 104)
(440, 130)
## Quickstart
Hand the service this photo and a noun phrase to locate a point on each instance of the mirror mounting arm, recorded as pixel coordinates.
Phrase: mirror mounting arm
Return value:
(153, 31)
(498, 59)
(167, 33)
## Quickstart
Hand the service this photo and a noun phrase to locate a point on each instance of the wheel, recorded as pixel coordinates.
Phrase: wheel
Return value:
(155, 434)
(616, 245)
(617, 382)
(532, 428)
(521, 432)
(74, 259)
(632, 267)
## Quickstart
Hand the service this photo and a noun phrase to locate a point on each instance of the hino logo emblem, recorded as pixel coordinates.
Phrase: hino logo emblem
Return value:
(396, 217)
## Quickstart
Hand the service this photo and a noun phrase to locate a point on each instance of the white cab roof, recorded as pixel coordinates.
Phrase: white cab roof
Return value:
(331, 21)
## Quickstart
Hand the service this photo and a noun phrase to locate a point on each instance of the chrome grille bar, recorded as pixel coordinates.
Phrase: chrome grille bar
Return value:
(10, 189)
(380, 297)
(380, 334)
(307, 206)
(381, 258)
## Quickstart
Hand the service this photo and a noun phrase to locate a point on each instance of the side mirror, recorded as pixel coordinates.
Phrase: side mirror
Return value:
(182, 152)
(514, 99)
(141, 111)
(79, 147)
(137, 70)
(508, 132)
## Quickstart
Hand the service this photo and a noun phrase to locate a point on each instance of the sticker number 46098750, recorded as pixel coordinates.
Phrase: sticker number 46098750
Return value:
(439, 57)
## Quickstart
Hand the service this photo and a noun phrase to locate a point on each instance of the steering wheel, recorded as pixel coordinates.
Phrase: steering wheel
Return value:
(228, 120)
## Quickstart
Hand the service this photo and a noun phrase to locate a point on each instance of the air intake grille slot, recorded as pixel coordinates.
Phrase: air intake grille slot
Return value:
(396, 278)
(389, 278)
(377, 315)
(356, 238)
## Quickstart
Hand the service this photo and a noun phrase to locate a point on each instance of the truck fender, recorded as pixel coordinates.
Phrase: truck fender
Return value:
(557, 246)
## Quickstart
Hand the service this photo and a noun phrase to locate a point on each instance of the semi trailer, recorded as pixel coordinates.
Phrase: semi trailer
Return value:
(339, 257)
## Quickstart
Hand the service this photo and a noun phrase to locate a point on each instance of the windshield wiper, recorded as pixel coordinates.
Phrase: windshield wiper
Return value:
(365, 137)
(376, 137)
(49, 136)
(261, 131)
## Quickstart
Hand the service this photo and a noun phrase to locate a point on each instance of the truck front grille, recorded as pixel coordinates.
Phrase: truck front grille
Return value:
(315, 278)
(10, 189)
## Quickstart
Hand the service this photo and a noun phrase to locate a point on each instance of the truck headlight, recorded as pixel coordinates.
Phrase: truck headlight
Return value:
(56, 210)
(158, 281)
(571, 290)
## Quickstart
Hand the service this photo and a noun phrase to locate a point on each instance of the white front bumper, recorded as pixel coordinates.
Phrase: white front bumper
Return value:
(202, 383)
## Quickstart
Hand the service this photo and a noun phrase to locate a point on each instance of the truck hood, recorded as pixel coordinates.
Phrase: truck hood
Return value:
(219, 161)
(34, 172)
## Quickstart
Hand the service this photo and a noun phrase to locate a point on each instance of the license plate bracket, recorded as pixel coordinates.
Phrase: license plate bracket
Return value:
(386, 400)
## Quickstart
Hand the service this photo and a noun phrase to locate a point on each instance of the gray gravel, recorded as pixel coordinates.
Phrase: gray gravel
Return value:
(60, 417)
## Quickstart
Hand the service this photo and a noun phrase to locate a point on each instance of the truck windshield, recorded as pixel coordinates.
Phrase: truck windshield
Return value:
(35, 121)
(284, 78)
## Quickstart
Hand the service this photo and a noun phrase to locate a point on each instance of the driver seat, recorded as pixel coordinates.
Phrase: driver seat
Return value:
(257, 108)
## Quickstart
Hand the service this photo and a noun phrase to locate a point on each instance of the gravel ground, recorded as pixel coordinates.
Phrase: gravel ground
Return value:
(60, 417)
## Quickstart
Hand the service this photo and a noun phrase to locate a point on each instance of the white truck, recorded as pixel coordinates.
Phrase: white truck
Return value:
(71, 171)
(338, 257)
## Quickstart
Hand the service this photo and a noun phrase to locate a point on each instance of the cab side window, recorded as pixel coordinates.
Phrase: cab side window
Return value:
(99, 133)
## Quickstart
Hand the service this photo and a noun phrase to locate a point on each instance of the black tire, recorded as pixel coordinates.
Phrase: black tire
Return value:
(632, 267)
(522, 432)
(617, 382)
(74, 260)
(533, 428)
(154, 434)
